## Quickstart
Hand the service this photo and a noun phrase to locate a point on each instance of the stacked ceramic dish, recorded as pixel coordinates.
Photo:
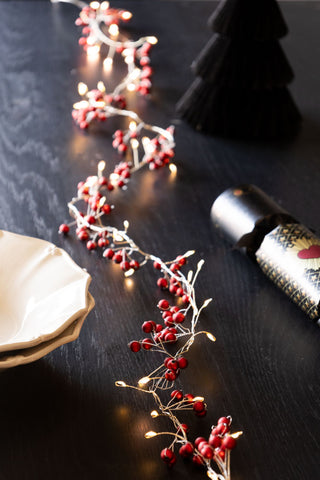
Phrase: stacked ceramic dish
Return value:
(44, 299)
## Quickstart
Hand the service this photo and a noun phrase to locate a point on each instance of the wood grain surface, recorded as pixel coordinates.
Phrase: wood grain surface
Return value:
(62, 417)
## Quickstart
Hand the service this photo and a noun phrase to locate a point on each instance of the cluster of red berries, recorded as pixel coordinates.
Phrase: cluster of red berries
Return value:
(159, 154)
(175, 287)
(120, 257)
(199, 407)
(167, 333)
(202, 450)
(97, 108)
(110, 16)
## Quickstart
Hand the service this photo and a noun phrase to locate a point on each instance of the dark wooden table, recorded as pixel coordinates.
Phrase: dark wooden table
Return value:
(62, 417)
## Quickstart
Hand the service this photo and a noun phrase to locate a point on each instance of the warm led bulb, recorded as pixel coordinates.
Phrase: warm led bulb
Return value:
(126, 15)
(132, 126)
(210, 336)
(152, 40)
(129, 272)
(154, 414)
(80, 105)
(104, 5)
(107, 64)
(150, 434)
(134, 143)
(101, 87)
(114, 29)
(120, 383)
(236, 435)
(131, 87)
(93, 51)
(173, 168)
(101, 165)
(95, 5)
(143, 381)
(82, 88)
(129, 59)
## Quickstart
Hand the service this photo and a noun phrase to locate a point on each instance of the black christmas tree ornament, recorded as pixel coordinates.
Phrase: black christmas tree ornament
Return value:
(242, 75)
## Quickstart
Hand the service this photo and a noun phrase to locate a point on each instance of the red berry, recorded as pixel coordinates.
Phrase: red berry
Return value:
(117, 258)
(207, 452)
(90, 219)
(134, 264)
(186, 450)
(103, 242)
(147, 343)
(103, 180)
(185, 299)
(224, 420)
(122, 148)
(91, 245)
(189, 397)
(83, 235)
(157, 265)
(170, 337)
(134, 346)
(168, 456)
(198, 440)
(125, 266)
(201, 414)
(174, 309)
(222, 428)
(197, 459)
(178, 317)
(108, 253)
(199, 406)
(221, 454)
(229, 442)
(214, 441)
(181, 261)
(162, 283)
(173, 289)
(174, 267)
(106, 208)
(177, 394)
(83, 125)
(147, 327)
(183, 362)
(173, 364)
(180, 292)
(64, 228)
(183, 428)
(163, 304)
(170, 375)
(159, 328)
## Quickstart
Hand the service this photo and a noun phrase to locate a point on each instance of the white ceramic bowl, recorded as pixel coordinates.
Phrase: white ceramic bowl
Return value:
(43, 291)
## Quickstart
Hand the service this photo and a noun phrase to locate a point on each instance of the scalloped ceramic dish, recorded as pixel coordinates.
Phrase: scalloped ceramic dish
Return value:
(28, 355)
(43, 291)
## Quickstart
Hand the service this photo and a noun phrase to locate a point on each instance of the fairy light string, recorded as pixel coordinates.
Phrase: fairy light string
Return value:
(143, 144)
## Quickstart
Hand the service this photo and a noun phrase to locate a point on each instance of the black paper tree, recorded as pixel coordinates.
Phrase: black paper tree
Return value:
(242, 73)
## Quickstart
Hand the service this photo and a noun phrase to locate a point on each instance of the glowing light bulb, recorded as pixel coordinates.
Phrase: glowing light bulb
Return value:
(80, 105)
(126, 224)
(101, 166)
(200, 264)
(126, 15)
(114, 30)
(189, 253)
(129, 59)
(95, 5)
(150, 434)
(107, 64)
(134, 143)
(120, 383)
(210, 336)
(102, 201)
(135, 74)
(104, 5)
(143, 381)
(117, 237)
(152, 40)
(190, 275)
(93, 51)
(131, 87)
(154, 414)
(132, 126)
(236, 435)
(114, 177)
(129, 272)
(198, 399)
(101, 87)
(206, 303)
(82, 88)
(173, 168)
